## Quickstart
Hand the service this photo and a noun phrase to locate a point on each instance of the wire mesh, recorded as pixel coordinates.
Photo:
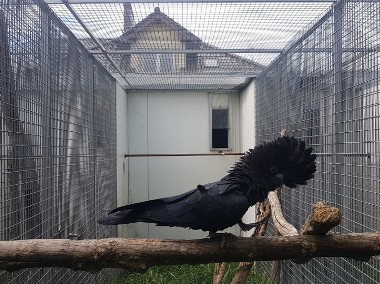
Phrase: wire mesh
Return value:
(58, 134)
(187, 45)
(57, 137)
(325, 89)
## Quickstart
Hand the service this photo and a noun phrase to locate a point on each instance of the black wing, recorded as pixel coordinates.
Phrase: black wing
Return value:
(211, 207)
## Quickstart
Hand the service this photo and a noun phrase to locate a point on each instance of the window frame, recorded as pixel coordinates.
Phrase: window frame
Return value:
(229, 147)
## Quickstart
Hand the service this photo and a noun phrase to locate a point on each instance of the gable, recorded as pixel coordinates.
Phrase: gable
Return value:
(154, 25)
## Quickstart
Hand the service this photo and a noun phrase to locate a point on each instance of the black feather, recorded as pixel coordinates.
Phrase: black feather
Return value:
(219, 205)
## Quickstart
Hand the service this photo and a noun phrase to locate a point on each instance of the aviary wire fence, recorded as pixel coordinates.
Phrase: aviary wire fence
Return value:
(58, 117)
(57, 137)
(325, 88)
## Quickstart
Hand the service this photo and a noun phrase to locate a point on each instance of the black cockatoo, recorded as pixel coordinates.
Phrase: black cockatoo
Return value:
(219, 205)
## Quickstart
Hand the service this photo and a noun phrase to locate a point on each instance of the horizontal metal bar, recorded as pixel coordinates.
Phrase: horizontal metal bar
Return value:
(331, 50)
(186, 1)
(183, 155)
(187, 51)
(189, 76)
(182, 87)
(368, 155)
(214, 51)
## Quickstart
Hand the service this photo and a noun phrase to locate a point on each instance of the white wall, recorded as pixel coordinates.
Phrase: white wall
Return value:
(172, 122)
(248, 133)
(247, 117)
(122, 148)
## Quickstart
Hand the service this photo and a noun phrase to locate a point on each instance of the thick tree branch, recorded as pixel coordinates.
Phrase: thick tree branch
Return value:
(140, 254)
(322, 219)
(219, 271)
(283, 227)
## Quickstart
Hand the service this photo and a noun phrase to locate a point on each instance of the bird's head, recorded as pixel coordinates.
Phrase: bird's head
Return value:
(282, 161)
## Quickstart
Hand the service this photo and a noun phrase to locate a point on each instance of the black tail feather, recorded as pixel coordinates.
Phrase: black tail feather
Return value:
(122, 217)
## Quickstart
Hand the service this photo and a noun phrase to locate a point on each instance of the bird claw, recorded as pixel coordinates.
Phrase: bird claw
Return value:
(222, 236)
(246, 227)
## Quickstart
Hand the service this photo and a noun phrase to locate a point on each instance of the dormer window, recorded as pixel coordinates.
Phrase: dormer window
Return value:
(164, 63)
(211, 62)
(157, 63)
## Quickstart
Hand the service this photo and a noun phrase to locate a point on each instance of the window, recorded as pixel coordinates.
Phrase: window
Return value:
(156, 63)
(220, 121)
(211, 62)
(148, 63)
(164, 63)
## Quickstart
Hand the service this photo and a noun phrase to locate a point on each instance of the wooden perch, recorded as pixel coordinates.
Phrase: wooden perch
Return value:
(321, 220)
(283, 227)
(140, 254)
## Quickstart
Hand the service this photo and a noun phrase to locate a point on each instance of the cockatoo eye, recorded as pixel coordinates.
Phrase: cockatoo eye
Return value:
(274, 170)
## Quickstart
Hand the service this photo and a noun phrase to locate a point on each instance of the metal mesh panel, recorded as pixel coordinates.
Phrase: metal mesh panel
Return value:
(186, 45)
(57, 137)
(325, 89)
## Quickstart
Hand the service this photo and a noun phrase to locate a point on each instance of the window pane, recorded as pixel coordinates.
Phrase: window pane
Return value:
(220, 128)
(219, 118)
(220, 138)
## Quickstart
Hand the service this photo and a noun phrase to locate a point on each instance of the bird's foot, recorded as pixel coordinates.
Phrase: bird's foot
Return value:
(222, 236)
(246, 227)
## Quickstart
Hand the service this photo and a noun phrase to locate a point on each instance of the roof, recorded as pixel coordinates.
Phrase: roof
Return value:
(230, 64)
(155, 18)
(244, 36)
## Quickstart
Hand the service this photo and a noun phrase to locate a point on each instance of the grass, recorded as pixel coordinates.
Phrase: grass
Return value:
(184, 274)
